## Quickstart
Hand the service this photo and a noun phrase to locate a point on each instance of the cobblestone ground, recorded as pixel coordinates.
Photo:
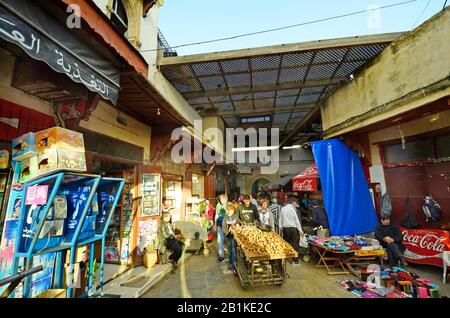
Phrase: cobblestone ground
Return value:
(203, 276)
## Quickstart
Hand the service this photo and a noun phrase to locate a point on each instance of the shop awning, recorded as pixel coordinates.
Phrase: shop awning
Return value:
(306, 180)
(45, 38)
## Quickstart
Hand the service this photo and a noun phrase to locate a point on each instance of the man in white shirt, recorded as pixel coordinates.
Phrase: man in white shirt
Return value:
(290, 225)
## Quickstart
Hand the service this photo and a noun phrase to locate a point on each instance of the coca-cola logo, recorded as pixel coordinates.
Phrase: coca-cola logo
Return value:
(426, 241)
(306, 185)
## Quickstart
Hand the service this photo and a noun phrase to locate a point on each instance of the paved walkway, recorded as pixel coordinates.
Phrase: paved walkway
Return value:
(203, 276)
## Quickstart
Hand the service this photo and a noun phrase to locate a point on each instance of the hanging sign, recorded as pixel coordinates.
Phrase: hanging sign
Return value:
(36, 195)
(425, 246)
(40, 47)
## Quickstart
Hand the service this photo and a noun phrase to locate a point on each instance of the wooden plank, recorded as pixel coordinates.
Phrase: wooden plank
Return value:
(283, 48)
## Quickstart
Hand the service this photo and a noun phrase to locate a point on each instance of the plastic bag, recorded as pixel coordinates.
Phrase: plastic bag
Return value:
(303, 242)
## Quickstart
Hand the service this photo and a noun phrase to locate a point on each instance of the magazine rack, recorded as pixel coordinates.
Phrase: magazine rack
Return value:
(61, 212)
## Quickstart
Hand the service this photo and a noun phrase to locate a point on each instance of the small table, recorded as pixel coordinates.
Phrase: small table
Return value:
(343, 260)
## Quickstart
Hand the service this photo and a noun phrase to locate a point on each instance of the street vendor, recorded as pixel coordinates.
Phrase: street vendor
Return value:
(391, 238)
(229, 222)
(167, 239)
(247, 211)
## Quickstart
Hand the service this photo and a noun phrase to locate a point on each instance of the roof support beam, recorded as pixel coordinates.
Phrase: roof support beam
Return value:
(267, 110)
(264, 88)
(283, 48)
(306, 120)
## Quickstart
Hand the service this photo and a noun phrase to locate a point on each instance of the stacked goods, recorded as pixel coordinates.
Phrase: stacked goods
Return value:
(47, 151)
(259, 242)
(60, 149)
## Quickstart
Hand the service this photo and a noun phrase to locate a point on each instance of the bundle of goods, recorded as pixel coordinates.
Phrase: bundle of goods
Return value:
(346, 243)
(396, 283)
(258, 242)
(47, 151)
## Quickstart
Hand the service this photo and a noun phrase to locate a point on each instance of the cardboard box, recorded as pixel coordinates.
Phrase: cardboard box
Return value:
(23, 147)
(28, 169)
(60, 159)
(52, 293)
(57, 137)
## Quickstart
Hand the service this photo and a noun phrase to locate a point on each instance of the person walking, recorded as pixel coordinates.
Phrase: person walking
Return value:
(210, 211)
(290, 226)
(221, 209)
(247, 211)
(230, 222)
(265, 216)
(275, 209)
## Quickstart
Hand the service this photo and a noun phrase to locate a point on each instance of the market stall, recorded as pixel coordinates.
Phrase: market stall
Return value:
(391, 283)
(345, 252)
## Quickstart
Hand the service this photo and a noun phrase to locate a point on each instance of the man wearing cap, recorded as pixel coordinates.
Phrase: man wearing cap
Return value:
(290, 225)
(247, 211)
(391, 238)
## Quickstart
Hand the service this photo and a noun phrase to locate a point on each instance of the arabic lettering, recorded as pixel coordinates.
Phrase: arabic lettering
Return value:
(18, 37)
(74, 73)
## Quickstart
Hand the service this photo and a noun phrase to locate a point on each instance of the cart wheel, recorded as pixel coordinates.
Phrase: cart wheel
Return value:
(306, 258)
(242, 267)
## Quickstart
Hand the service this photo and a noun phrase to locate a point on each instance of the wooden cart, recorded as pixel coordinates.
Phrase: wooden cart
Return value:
(257, 270)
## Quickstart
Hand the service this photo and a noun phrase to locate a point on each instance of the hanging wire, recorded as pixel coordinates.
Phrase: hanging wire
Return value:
(282, 28)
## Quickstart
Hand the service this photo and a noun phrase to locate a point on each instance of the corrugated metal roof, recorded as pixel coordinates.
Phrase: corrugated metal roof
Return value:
(283, 81)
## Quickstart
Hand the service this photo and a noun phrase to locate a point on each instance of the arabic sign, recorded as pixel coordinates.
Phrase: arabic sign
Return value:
(425, 246)
(36, 195)
(40, 47)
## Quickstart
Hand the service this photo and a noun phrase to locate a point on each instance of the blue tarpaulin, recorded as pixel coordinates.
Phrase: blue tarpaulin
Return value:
(346, 195)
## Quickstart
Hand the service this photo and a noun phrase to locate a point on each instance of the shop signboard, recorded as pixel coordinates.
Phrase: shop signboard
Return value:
(425, 246)
(151, 184)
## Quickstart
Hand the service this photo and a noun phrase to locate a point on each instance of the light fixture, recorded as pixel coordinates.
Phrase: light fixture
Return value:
(159, 113)
(254, 148)
(292, 147)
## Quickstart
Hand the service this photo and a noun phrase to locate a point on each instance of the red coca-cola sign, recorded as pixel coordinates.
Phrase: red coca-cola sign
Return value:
(309, 185)
(425, 246)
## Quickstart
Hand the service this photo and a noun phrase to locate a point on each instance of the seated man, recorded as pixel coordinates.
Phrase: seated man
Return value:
(168, 240)
(391, 238)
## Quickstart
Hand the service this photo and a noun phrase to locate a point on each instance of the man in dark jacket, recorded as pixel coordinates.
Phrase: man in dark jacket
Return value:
(318, 215)
(391, 238)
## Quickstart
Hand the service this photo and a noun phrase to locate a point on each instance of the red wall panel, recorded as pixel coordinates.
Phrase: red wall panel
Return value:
(28, 120)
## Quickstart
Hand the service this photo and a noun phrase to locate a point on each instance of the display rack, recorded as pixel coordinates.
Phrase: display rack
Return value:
(45, 228)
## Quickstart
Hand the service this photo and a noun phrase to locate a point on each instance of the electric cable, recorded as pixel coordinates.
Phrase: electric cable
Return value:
(423, 11)
(282, 28)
